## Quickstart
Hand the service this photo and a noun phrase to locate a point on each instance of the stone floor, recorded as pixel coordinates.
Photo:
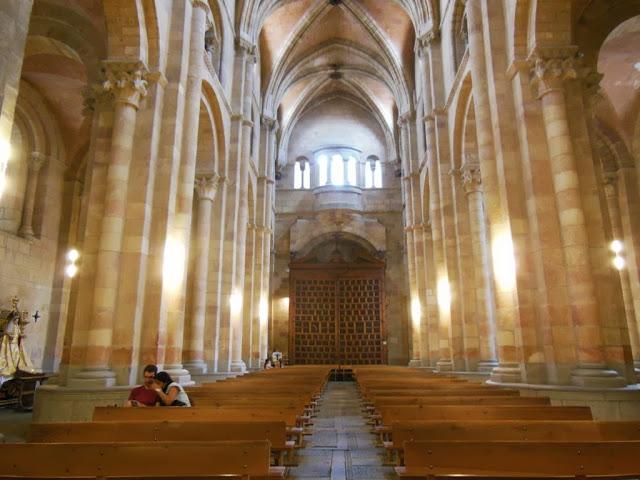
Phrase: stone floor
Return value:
(341, 447)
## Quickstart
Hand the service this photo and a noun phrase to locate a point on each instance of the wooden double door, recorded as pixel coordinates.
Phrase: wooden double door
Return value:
(336, 314)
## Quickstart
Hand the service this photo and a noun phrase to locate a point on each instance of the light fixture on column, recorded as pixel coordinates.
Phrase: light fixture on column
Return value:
(5, 154)
(72, 257)
(284, 302)
(444, 294)
(618, 261)
(173, 264)
(416, 311)
(235, 302)
(504, 262)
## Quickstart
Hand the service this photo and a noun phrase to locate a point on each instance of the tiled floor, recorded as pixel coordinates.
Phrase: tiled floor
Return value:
(341, 447)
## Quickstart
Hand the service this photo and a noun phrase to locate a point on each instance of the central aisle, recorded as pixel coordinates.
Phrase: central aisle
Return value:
(341, 447)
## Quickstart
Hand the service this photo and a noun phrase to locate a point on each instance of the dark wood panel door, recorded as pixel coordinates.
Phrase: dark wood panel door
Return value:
(337, 315)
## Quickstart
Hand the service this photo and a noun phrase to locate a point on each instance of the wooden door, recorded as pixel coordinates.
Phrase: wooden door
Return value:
(336, 313)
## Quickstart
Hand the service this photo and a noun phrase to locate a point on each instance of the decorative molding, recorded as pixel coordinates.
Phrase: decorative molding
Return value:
(206, 186)
(471, 178)
(35, 162)
(551, 67)
(126, 80)
(270, 123)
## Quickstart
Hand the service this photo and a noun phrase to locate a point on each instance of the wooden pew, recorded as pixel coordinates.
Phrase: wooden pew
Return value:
(460, 400)
(389, 415)
(508, 430)
(483, 459)
(177, 460)
(491, 412)
(201, 414)
(116, 432)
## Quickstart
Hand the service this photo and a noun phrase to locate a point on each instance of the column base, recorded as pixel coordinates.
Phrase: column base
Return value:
(414, 363)
(196, 367)
(444, 366)
(506, 373)
(237, 366)
(97, 378)
(487, 365)
(27, 233)
(596, 376)
(179, 374)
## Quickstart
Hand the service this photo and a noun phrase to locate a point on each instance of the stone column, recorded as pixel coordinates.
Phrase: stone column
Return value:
(245, 59)
(36, 160)
(507, 314)
(126, 81)
(205, 187)
(181, 226)
(414, 297)
(485, 312)
(613, 206)
(550, 70)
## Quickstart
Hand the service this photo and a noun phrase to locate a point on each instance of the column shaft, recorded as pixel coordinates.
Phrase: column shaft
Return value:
(126, 81)
(181, 227)
(35, 163)
(194, 355)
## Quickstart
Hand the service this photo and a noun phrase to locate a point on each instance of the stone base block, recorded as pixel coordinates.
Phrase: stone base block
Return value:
(605, 403)
(54, 403)
(414, 363)
(238, 366)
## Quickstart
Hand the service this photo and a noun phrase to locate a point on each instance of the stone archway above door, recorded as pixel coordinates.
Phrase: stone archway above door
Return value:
(307, 233)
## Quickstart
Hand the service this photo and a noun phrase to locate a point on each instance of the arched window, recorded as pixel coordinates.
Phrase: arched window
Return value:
(323, 170)
(337, 169)
(301, 174)
(373, 173)
(352, 171)
(337, 166)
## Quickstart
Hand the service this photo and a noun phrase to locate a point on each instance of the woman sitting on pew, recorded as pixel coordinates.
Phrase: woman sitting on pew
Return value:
(171, 393)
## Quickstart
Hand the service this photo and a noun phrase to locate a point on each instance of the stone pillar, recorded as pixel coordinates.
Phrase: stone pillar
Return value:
(485, 312)
(126, 81)
(14, 26)
(613, 206)
(550, 70)
(414, 296)
(36, 160)
(180, 231)
(205, 187)
(507, 315)
(245, 61)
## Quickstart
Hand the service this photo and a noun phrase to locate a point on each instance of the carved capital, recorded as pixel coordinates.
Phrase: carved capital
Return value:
(35, 162)
(246, 48)
(406, 117)
(270, 123)
(127, 81)
(426, 41)
(471, 178)
(206, 186)
(551, 67)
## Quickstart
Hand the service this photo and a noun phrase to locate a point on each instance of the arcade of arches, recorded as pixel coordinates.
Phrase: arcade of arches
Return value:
(450, 184)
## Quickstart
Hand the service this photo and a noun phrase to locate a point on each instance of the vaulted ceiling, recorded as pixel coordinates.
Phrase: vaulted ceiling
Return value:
(361, 49)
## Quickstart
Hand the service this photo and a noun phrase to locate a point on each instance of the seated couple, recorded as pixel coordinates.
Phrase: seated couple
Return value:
(158, 389)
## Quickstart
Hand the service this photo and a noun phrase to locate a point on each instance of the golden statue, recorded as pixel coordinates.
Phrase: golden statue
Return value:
(13, 356)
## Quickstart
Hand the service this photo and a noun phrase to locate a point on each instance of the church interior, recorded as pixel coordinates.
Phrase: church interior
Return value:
(423, 214)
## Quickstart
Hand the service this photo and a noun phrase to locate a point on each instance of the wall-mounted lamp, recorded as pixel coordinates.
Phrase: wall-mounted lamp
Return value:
(504, 262)
(72, 257)
(416, 311)
(173, 264)
(618, 260)
(235, 302)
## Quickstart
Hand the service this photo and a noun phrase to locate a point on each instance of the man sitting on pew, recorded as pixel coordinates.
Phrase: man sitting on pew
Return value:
(145, 395)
